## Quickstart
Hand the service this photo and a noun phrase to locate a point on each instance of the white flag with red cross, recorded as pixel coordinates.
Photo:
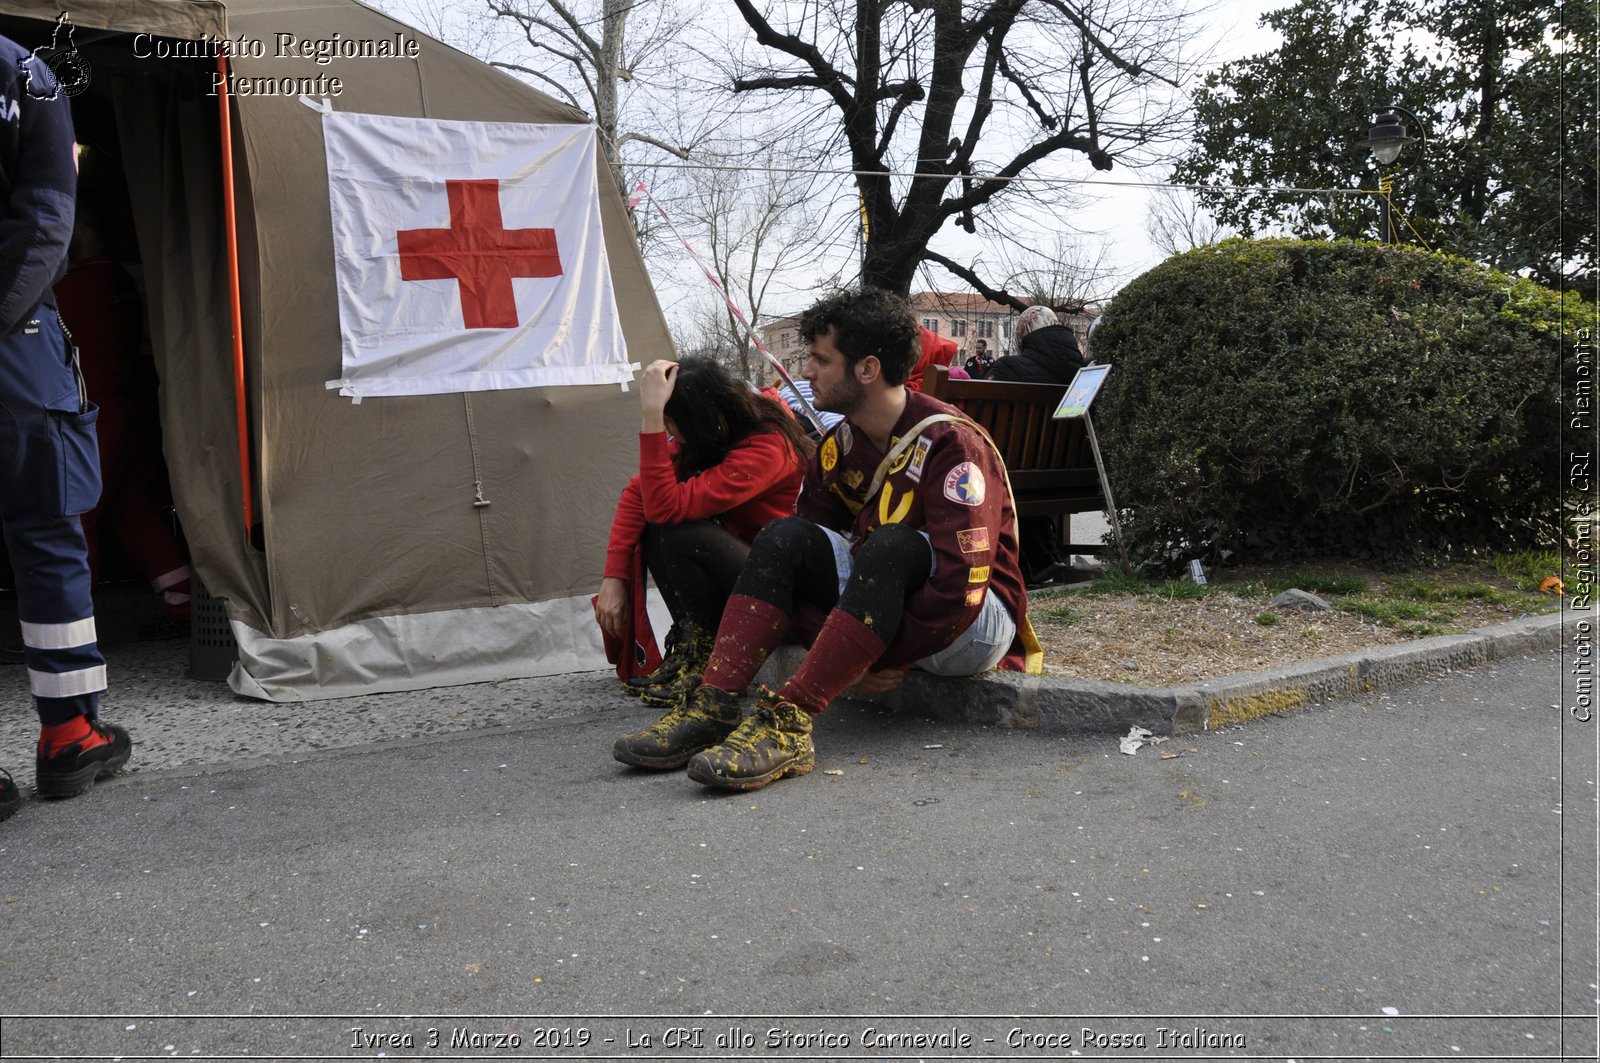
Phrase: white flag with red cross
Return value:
(468, 257)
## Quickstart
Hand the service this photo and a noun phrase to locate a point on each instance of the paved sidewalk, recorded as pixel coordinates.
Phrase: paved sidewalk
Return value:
(179, 722)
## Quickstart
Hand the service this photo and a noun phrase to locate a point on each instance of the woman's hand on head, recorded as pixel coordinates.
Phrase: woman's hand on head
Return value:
(655, 388)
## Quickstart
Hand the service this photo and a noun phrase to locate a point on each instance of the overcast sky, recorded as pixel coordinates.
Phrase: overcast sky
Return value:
(1233, 27)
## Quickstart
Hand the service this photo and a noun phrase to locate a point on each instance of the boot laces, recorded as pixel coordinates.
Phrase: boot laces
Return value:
(675, 716)
(684, 712)
(756, 728)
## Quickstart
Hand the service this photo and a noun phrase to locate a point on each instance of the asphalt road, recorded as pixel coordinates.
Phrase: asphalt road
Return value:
(1412, 874)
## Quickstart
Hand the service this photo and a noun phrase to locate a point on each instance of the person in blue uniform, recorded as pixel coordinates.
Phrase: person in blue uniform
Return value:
(49, 470)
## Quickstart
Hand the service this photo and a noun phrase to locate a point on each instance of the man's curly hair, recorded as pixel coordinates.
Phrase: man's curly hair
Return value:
(868, 321)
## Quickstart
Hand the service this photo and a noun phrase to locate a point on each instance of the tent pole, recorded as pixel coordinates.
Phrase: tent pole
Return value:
(241, 409)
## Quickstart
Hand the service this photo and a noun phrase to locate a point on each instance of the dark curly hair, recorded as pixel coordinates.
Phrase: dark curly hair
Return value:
(714, 410)
(868, 321)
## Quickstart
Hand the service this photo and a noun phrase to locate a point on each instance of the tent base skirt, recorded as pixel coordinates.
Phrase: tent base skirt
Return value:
(421, 650)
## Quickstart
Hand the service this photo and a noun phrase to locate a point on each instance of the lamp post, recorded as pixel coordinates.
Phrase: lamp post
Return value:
(1387, 139)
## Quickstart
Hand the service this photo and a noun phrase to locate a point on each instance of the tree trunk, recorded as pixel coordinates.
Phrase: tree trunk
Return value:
(891, 267)
(614, 18)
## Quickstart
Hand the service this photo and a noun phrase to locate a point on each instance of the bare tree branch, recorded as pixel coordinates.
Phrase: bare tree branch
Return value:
(539, 75)
(979, 285)
(1111, 55)
(899, 75)
(645, 138)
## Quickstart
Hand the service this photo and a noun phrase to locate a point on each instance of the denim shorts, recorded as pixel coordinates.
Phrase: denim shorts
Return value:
(977, 649)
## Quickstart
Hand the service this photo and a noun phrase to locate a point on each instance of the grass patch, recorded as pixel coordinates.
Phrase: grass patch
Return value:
(1432, 591)
(1117, 581)
(1181, 589)
(1267, 619)
(1526, 568)
(1060, 612)
(1413, 618)
(1316, 582)
(1526, 599)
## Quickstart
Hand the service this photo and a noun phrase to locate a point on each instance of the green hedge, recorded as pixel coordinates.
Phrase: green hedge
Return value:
(1285, 399)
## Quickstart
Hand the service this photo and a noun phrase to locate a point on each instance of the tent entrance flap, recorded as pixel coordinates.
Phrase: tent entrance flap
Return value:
(151, 139)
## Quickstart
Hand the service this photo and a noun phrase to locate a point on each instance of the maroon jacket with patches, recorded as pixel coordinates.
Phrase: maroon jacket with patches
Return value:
(949, 483)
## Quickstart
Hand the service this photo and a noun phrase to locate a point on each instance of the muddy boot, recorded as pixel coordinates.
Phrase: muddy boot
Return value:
(773, 741)
(688, 651)
(700, 721)
(674, 686)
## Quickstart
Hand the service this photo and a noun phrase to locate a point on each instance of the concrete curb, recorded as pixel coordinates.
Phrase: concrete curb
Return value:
(1056, 705)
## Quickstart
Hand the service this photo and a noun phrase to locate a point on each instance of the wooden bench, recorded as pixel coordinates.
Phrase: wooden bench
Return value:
(1050, 462)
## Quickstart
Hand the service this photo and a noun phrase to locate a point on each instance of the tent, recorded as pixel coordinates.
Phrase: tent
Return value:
(396, 543)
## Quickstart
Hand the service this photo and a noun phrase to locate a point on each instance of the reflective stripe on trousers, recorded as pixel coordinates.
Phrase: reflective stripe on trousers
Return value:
(49, 474)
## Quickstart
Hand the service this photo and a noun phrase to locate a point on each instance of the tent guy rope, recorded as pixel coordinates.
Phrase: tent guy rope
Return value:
(808, 411)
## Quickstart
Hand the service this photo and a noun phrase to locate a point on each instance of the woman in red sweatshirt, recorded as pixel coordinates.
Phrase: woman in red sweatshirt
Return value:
(717, 462)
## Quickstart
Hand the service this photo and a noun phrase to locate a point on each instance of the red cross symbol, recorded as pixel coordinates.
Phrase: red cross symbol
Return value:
(479, 253)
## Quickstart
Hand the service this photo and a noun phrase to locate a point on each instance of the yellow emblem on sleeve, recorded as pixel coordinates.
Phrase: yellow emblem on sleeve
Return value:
(978, 574)
(975, 595)
(830, 454)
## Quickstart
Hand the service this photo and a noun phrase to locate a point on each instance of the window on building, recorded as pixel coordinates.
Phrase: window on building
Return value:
(986, 328)
(785, 340)
(958, 327)
(931, 324)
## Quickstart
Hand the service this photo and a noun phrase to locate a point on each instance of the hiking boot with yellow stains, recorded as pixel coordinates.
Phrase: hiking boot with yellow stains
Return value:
(688, 652)
(701, 720)
(774, 741)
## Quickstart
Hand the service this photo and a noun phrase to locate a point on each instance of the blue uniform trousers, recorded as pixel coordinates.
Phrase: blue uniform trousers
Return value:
(49, 474)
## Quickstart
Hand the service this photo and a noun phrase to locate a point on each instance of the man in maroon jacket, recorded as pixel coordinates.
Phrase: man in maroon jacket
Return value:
(902, 552)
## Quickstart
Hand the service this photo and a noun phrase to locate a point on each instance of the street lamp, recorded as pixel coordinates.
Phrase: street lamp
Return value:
(1386, 140)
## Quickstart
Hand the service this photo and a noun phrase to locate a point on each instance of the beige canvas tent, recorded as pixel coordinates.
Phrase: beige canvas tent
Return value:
(401, 542)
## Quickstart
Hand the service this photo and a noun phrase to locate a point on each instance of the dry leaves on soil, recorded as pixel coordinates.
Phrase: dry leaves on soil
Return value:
(1151, 640)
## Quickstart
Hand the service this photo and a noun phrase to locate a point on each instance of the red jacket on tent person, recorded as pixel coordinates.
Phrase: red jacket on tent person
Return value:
(734, 462)
(935, 351)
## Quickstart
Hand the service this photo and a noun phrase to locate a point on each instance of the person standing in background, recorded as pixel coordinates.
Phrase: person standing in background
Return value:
(977, 366)
(49, 470)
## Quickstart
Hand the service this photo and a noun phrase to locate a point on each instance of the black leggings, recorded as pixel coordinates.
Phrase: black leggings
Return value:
(695, 566)
(791, 564)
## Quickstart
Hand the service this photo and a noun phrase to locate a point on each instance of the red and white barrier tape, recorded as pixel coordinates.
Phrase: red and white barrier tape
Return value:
(807, 410)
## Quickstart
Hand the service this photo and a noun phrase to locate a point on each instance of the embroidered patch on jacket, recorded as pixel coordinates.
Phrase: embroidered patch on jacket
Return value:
(978, 574)
(973, 540)
(919, 455)
(830, 454)
(975, 595)
(842, 434)
(964, 484)
(900, 461)
(852, 478)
